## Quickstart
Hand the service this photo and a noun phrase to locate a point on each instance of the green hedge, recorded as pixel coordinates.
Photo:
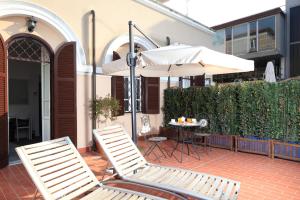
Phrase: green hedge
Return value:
(265, 110)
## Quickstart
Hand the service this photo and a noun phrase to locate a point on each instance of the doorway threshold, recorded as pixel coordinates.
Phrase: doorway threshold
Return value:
(15, 162)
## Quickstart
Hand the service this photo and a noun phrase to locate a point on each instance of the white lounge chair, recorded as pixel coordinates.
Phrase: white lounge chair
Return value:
(131, 166)
(59, 172)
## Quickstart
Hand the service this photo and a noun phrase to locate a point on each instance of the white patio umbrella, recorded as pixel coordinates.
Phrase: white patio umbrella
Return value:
(180, 60)
(176, 61)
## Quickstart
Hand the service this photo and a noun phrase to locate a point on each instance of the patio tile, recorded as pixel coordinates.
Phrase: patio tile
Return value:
(261, 177)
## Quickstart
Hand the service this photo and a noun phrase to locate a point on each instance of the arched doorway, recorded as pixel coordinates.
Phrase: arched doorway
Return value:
(68, 55)
(62, 88)
(29, 62)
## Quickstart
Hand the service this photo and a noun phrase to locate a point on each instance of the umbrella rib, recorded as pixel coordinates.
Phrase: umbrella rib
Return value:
(201, 64)
(169, 68)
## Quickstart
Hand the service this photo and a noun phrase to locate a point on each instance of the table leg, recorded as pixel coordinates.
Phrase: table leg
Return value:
(179, 132)
(182, 144)
(176, 143)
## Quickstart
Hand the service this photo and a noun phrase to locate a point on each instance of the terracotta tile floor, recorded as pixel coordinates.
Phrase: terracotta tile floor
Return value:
(260, 177)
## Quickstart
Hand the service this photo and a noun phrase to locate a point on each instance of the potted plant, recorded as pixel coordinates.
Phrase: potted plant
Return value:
(104, 108)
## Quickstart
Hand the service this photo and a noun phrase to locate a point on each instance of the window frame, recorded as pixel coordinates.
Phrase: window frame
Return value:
(248, 35)
(256, 37)
(275, 34)
(186, 81)
(231, 40)
(246, 24)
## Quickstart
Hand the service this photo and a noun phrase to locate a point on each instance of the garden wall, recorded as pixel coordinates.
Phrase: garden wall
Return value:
(260, 109)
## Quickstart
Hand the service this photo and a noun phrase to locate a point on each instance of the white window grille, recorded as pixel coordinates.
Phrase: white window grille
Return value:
(127, 94)
(27, 49)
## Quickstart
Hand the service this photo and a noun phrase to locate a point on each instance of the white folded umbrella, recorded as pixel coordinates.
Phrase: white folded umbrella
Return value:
(180, 60)
(269, 73)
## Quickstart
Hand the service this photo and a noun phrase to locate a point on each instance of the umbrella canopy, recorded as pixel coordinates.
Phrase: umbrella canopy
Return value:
(181, 60)
(176, 61)
(269, 73)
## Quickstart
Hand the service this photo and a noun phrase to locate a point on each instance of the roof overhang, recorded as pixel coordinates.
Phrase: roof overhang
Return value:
(176, 15)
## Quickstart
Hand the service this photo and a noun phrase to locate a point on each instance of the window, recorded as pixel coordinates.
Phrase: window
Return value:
(208, 81)
(127, 94)
(266, 33)
(239, 34)
(252, 37)
(218, 38)
(228, 34)
(186, 82)
(294, 24)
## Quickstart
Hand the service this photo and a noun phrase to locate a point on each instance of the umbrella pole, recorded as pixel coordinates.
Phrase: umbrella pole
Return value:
(132, 63)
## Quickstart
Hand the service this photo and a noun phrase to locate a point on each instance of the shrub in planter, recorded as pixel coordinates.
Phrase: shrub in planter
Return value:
(254, 144)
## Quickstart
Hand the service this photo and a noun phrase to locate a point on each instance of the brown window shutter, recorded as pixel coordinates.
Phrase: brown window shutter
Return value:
(150, 95)
(64, 92)
(117, 91)
(198, 80)
(3, 106)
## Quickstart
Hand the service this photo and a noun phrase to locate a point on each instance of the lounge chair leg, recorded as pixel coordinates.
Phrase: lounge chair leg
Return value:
(35, 194)
(106, 167)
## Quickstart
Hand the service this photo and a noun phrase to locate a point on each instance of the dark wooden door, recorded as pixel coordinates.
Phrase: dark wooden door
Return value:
(64, 116)
(3, 106)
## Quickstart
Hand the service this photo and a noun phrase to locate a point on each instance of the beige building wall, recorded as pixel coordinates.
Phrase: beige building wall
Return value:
(17, 24)
(84, 95)
(111, 21)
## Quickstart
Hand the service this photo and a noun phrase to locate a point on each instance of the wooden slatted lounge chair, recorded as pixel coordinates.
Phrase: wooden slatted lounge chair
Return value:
(59, 172)
(131, 166)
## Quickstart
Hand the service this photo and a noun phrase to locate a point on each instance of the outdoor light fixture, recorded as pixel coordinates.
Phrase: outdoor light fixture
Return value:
(31, 24)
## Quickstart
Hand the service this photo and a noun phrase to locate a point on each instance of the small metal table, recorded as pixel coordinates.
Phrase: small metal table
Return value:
(183, 141)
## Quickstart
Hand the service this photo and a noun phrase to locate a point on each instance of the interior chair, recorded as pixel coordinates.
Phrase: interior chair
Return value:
(59, 172)
(23, 124)
(151, 141)
(131, 166)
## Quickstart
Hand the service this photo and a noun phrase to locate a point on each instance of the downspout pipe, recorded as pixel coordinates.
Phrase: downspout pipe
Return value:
(168, 43)
(93, 63)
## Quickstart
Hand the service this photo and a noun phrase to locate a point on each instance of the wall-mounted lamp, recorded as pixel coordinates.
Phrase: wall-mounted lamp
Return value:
(31, 24)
